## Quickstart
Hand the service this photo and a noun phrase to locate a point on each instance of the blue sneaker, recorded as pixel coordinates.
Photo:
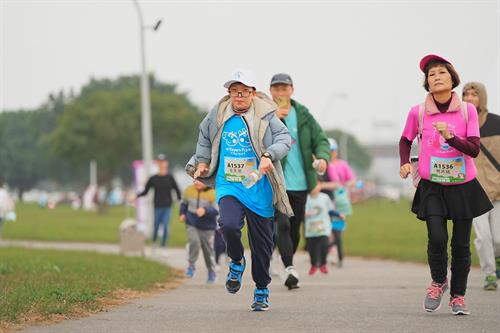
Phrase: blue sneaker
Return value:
(212, 277)
(190, 271)
(233, 281)
(260, 300)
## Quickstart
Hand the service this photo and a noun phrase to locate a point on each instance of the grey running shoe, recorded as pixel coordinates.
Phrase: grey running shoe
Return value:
(458, 306)
(432, 301)
(490, 283)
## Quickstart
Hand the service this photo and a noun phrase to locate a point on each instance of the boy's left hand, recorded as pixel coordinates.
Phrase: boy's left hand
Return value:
(342, 217)
(200, 211)
(266, 165)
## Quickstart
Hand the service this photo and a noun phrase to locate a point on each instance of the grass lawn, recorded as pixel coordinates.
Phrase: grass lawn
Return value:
(64, 224)
(378, 228)
(383, 229)
(43, 283)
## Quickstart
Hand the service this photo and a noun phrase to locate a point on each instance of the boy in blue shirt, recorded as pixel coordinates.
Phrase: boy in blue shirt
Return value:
(241, 135)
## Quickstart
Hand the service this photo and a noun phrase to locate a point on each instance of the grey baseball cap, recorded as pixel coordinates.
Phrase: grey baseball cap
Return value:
(281, 78)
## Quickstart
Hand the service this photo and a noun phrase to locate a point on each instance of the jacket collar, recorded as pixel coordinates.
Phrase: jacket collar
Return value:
(431, 108)
(301, 110)
(261, 107)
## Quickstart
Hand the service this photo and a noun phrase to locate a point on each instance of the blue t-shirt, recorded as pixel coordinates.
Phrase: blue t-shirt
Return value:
(295, 176)
(338, 224)
(236, 158)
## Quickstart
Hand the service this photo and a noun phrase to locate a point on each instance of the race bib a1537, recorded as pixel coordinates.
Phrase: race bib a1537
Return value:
(235, 169)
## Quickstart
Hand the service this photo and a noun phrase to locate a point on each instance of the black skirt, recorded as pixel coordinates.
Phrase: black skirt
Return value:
(453, 202)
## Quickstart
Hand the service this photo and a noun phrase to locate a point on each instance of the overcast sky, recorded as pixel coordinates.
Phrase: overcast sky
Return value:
(354, 63)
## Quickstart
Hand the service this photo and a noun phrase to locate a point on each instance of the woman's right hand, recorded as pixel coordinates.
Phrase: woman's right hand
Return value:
(405, 170)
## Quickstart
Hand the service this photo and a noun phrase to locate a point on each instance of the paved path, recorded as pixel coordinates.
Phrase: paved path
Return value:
(363, 296)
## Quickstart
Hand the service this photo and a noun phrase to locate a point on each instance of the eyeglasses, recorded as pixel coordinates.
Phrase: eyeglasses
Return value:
(236, 93)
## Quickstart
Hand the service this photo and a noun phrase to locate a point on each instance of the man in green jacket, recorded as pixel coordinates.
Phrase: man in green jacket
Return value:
(309, 142)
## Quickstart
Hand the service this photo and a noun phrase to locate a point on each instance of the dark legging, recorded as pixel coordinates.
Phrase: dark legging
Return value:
(337, 241)
(288, 229)
(318, 250)
(437, 252)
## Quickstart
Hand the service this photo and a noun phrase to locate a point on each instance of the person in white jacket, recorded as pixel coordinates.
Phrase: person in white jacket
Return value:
(6, 205)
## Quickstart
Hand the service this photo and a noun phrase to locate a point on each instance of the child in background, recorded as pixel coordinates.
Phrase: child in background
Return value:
(339, 181)
(319, 212)
(199, 211)
(343, 206)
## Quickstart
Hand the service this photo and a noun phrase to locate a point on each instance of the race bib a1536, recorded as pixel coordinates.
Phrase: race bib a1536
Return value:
(447, 170)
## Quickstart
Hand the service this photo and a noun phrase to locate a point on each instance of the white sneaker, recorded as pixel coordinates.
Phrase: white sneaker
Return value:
(292, 278)
(333, 256)
(164, 253)
(154, 249)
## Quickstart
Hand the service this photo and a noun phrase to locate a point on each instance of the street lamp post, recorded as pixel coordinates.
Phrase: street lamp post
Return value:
(146, 127)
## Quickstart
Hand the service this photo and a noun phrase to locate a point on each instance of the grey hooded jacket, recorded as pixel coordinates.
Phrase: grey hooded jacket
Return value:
(267, 134)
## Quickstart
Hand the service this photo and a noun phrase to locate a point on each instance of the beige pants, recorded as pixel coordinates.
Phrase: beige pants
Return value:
(203, 239)
(487, 242)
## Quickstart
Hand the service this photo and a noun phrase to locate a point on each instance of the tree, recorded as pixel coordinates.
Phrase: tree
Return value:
(102, 123)
(358, 156)
(25, 156)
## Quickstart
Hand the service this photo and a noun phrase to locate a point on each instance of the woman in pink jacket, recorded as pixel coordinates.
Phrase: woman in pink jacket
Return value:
(448, 135)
